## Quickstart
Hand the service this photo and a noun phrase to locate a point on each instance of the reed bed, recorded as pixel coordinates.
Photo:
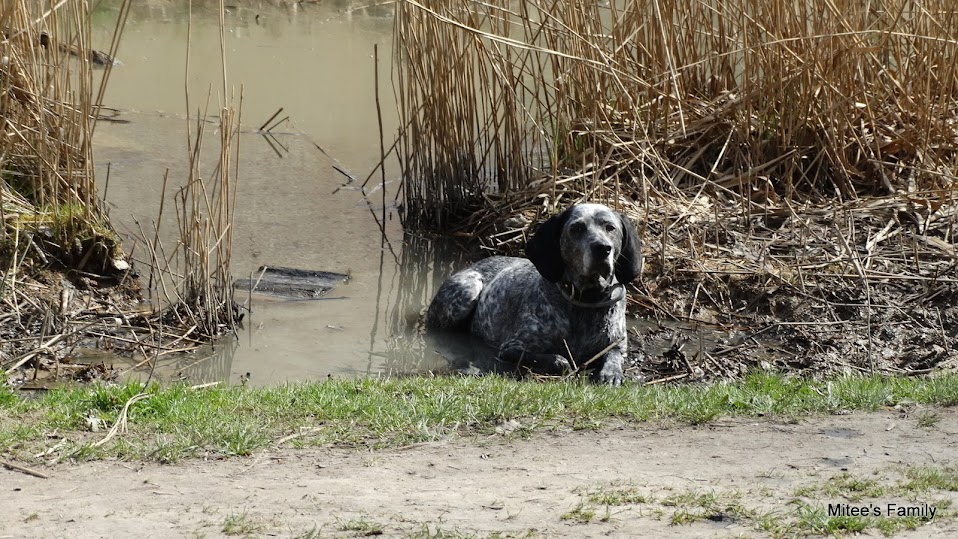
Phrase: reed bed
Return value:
(49, 105)
(50, 217)
(67, 288)
(201, 296)
(788, 162)
(758, 102)
(191, 281)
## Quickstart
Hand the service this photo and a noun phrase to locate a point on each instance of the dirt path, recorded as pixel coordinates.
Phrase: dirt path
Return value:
(739, 472)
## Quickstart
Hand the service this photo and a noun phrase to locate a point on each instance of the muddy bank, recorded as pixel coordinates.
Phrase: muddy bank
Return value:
(818, 298)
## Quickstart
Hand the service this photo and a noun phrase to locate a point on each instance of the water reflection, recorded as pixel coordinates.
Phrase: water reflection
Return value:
(313, 61)
(422, 266)
(212, 364)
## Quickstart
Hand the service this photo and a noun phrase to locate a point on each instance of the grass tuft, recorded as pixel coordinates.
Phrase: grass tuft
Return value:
(361, 526)
(617, 495)
(580, 514)
(241, 524)
(924, 478)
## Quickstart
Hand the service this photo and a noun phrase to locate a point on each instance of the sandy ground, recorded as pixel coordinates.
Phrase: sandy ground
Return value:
(488, 486)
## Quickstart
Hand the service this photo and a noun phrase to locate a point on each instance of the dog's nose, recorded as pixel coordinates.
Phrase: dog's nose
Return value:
(601, 250)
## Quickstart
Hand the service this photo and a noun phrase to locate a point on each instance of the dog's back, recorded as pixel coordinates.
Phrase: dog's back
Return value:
(456, 300)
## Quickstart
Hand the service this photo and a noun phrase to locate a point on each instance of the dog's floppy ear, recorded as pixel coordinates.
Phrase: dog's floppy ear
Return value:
(628, 265)
(543, 248)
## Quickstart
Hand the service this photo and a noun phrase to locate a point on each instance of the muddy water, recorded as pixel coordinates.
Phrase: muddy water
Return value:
(292, 206)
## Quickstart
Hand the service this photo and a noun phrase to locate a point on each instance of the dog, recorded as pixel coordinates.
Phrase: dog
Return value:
(561, 308)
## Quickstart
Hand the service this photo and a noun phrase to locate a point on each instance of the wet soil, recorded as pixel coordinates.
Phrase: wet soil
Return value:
(539, 486)
(831, 326)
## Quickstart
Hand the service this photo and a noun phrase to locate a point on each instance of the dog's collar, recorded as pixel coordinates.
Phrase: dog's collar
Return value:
(615, 293)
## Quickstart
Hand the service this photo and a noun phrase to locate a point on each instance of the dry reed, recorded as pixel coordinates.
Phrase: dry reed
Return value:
(50, 215)
(48, 104)
(202, 296)
(758, 102)
(52, 219)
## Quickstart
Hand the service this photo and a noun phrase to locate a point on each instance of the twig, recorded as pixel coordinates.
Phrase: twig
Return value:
(23, 469)
(667, 379)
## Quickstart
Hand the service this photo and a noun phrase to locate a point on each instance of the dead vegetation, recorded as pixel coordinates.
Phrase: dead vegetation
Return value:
(67, 289)
(791, 164)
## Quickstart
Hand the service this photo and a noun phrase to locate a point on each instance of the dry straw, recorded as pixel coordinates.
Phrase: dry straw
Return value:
(200, 298)
(704, 119)
(50, 217)
(48, 107)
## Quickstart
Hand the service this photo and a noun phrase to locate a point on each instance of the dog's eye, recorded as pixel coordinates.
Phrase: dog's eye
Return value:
(577, 228)
(609, 227)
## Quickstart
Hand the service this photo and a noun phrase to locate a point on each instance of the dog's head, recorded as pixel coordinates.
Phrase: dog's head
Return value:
(589, 246)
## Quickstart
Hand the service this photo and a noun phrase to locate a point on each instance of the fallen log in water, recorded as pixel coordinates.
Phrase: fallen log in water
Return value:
(292, 283)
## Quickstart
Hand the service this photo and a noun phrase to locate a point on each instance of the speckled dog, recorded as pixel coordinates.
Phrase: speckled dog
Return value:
(567, 298)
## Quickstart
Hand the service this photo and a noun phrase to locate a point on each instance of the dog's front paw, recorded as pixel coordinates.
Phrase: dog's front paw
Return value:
(539, 363)
(610, 373)
(554, 364)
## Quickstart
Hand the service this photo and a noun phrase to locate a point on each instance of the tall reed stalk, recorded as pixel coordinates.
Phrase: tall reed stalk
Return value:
(202, 298)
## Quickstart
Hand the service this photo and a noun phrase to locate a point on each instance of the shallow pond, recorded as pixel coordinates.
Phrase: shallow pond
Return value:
(316, 63)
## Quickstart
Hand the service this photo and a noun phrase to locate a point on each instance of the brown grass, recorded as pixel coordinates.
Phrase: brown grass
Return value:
(60, 257)
(50, 215)
(200, 298)
(810, 133)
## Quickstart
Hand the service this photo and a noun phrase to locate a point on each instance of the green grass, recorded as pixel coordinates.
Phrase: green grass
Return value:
(617, 495)
(241, 524)
(581, 513)
(361, 526)
(794, 517)
(694, 506)
(914, 485)
(924, 478)
(816, 520)
(177, 422)
(928, 420)
(852, 487)
(913, 481)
